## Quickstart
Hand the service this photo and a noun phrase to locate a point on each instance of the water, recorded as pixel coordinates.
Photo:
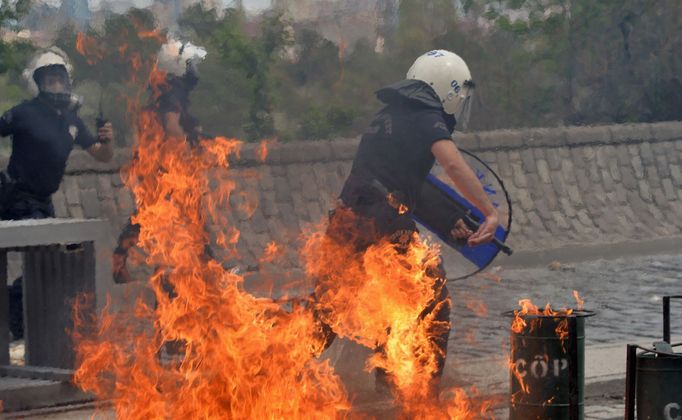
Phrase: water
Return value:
(626, 294)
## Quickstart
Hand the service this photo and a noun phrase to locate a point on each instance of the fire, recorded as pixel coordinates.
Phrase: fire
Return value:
(241, 356)
(89, 47)
(262, 150)
(580, 302)
(272, 252)
(529, 317)
(376, 298)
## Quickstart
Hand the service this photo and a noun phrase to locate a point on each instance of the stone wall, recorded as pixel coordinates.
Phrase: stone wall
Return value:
(570, 186)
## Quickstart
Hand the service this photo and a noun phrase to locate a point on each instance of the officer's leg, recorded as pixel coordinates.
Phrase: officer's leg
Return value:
(128, 239)
(438, 313)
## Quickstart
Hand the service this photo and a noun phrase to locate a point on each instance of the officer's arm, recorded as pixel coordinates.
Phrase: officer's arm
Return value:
(171, 123)
(449, 157)
(103, 150)
(6, 124)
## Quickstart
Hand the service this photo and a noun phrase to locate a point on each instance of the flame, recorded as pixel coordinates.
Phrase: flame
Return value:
(580, 302)
(394, 202)
(272, 252)
(376, 298)
(90, 48)
(240, 356)
(262, 150)
(525, 320)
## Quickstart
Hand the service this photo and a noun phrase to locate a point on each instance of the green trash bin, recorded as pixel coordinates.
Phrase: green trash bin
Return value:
(548, 370)
(654, 377)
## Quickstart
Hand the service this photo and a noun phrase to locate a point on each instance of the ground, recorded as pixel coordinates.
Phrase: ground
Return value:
(625, 293)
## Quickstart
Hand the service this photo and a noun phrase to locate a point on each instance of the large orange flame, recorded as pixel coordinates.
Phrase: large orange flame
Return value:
(376, 298)
(242, 357)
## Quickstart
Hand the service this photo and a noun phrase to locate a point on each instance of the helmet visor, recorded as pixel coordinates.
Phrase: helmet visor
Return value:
(464, 110)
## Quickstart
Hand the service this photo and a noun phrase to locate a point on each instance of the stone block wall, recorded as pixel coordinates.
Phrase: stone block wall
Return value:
(569, 186)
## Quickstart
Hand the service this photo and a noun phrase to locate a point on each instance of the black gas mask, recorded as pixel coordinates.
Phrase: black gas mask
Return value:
(55, 87)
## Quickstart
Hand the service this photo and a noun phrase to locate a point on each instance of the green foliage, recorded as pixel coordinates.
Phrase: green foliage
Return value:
(535, 63)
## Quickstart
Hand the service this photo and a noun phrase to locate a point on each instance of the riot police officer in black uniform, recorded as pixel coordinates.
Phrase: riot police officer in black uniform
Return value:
(394, 157)
(171, 103)
(44, 130)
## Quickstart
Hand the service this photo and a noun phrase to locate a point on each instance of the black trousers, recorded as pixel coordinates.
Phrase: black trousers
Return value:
(374, 219)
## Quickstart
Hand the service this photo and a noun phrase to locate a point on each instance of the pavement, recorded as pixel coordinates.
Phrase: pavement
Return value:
(626, 294)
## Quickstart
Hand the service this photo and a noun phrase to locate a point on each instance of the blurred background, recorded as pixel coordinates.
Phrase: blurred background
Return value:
(307, 69)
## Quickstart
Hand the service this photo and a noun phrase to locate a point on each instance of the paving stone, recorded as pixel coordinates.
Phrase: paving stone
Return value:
(295, 176)
(645, 191)
(646, 154)
(574, 194)
(310, 189)
(628, 178)
(676, 174)
(528, 160)
(519, 176)
(558, 182)
(505, 166)
(583, 183)
(59, 203)
(652, 176)
(71, 190)
(569, 209)
(76, 212)
(282, 190)
(125, 201)
(553, 159)
(116, 180)
(662, 166)
(267, 180)
(91, 205)
(669, 189)
(603, 156)
(607, 180)
(299, 206)
(543, 171)
(268, 204)
(578, 157)
(104, 187)
(614, 170)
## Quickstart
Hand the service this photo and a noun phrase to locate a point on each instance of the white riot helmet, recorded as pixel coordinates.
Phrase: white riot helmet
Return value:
(450, 78)
(51, 59)
(176, 57)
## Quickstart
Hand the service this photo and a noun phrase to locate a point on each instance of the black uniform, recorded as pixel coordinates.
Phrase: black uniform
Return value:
(42, 140)
(394, 156)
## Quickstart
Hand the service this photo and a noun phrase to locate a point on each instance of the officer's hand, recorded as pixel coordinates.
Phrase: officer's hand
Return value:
(485, 232)
(105, 134)
(461, 230)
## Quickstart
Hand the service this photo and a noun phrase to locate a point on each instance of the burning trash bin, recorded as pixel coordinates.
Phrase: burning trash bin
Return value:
(654, 377)
(547, 363)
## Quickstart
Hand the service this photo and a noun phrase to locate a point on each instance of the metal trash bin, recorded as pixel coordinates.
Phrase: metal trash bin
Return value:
(654, 377)
(548, 371)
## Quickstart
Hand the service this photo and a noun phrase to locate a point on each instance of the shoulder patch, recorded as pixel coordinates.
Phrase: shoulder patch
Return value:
(441, 125)
(73, 130)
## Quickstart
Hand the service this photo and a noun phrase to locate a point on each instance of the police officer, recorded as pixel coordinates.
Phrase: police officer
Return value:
(171, 103)
(44, 131)
(394, 157)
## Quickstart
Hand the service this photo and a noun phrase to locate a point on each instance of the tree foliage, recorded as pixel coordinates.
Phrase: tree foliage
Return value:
(535, 63)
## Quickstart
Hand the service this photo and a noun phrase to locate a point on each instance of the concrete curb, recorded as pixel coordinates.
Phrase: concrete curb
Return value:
(587, 252)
